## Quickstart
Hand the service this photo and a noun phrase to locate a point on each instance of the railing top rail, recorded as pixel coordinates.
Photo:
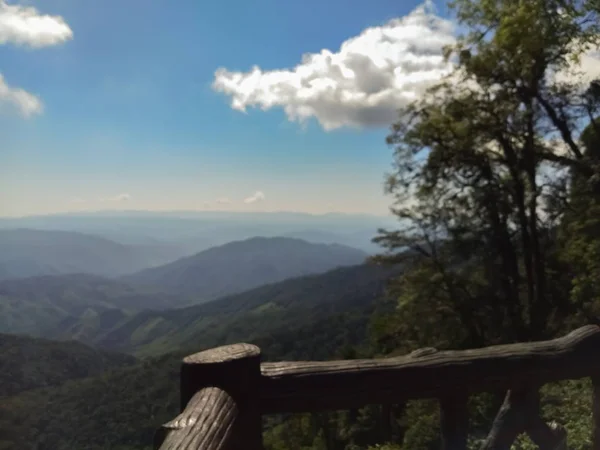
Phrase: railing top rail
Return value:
(321, 385)
(226, 390)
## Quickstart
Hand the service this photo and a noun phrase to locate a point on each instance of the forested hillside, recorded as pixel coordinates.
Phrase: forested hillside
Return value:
(41, 305)
(122, 408)
(242, 265)
(292, 303)
(28, 363)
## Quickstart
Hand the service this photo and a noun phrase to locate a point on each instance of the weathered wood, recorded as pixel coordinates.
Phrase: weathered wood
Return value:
(206, 423)
(596, 412)
(317, 386)
(236, 370)
(454, 421)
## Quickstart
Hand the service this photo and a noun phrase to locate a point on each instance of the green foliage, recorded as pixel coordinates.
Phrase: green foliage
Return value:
(27, 363)
(295, 303)
(47, 306)
(580, 232)
(121, 407)
(320, 317)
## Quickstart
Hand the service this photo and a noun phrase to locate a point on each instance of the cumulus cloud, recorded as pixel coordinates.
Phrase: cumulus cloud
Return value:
(258, 196)
(25, 26)
(19, 101)
(360, 85)
(22, 25)
(583, 71)
(117, 198)
(223, 201)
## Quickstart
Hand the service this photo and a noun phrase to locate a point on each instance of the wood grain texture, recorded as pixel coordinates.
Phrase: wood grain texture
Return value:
(236, 370)
(207, 423)
(326, 385)
(233, 368)
(223, 354)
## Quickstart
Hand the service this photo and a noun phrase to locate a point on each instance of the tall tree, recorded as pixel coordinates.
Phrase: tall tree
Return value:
(478, 163)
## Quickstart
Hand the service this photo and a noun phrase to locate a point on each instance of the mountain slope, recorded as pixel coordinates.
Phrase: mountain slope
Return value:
(122, 408)
(28, 363)
(359, 239)
(280, 306)
(37, 304)
(242, 265)
(29, 252)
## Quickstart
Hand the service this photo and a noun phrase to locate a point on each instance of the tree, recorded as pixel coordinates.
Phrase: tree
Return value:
(580, 234)
(479, 163)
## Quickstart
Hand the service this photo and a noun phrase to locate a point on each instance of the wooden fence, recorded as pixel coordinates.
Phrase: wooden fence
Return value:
(226, 390)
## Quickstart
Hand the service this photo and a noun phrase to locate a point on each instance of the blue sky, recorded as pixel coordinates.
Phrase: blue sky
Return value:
(138, 104)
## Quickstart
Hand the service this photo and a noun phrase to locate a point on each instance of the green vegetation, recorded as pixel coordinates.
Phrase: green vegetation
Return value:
(44, 306)
(28, 363)
(316, 317)
(289, 304)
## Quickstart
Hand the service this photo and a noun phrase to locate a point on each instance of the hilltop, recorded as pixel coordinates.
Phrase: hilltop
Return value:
(242, 265)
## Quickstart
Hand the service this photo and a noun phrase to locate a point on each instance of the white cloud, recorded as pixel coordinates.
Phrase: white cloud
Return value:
(583, 71)
(19, 101)
(22, 25)
(258, 196)
(26, 26)
(223, 201)
(363, 84)
(117, 198)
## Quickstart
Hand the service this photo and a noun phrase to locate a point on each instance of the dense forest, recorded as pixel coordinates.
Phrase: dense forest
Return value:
(496, 186)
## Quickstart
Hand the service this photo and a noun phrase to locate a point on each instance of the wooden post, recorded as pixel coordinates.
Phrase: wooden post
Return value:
(386, 423)
(236, 370)
(454, 422)
(596, 413)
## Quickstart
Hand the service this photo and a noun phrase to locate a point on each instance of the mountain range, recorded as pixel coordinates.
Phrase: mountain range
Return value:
(30, 252)
(294, 303)
(84, 303)
(296, 298)
(243, 265)
(192, 232)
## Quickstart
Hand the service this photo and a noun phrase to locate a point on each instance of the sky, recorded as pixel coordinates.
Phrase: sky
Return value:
(231, 105)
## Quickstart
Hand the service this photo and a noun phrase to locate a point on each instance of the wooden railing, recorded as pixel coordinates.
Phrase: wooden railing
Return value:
(226, 390)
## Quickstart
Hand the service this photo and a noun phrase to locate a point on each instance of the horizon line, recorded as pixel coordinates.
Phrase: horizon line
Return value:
(193, 211)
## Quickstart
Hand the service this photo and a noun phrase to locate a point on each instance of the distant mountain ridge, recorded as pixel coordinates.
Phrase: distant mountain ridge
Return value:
(30, 252)
(242, 265)
(193, 231)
